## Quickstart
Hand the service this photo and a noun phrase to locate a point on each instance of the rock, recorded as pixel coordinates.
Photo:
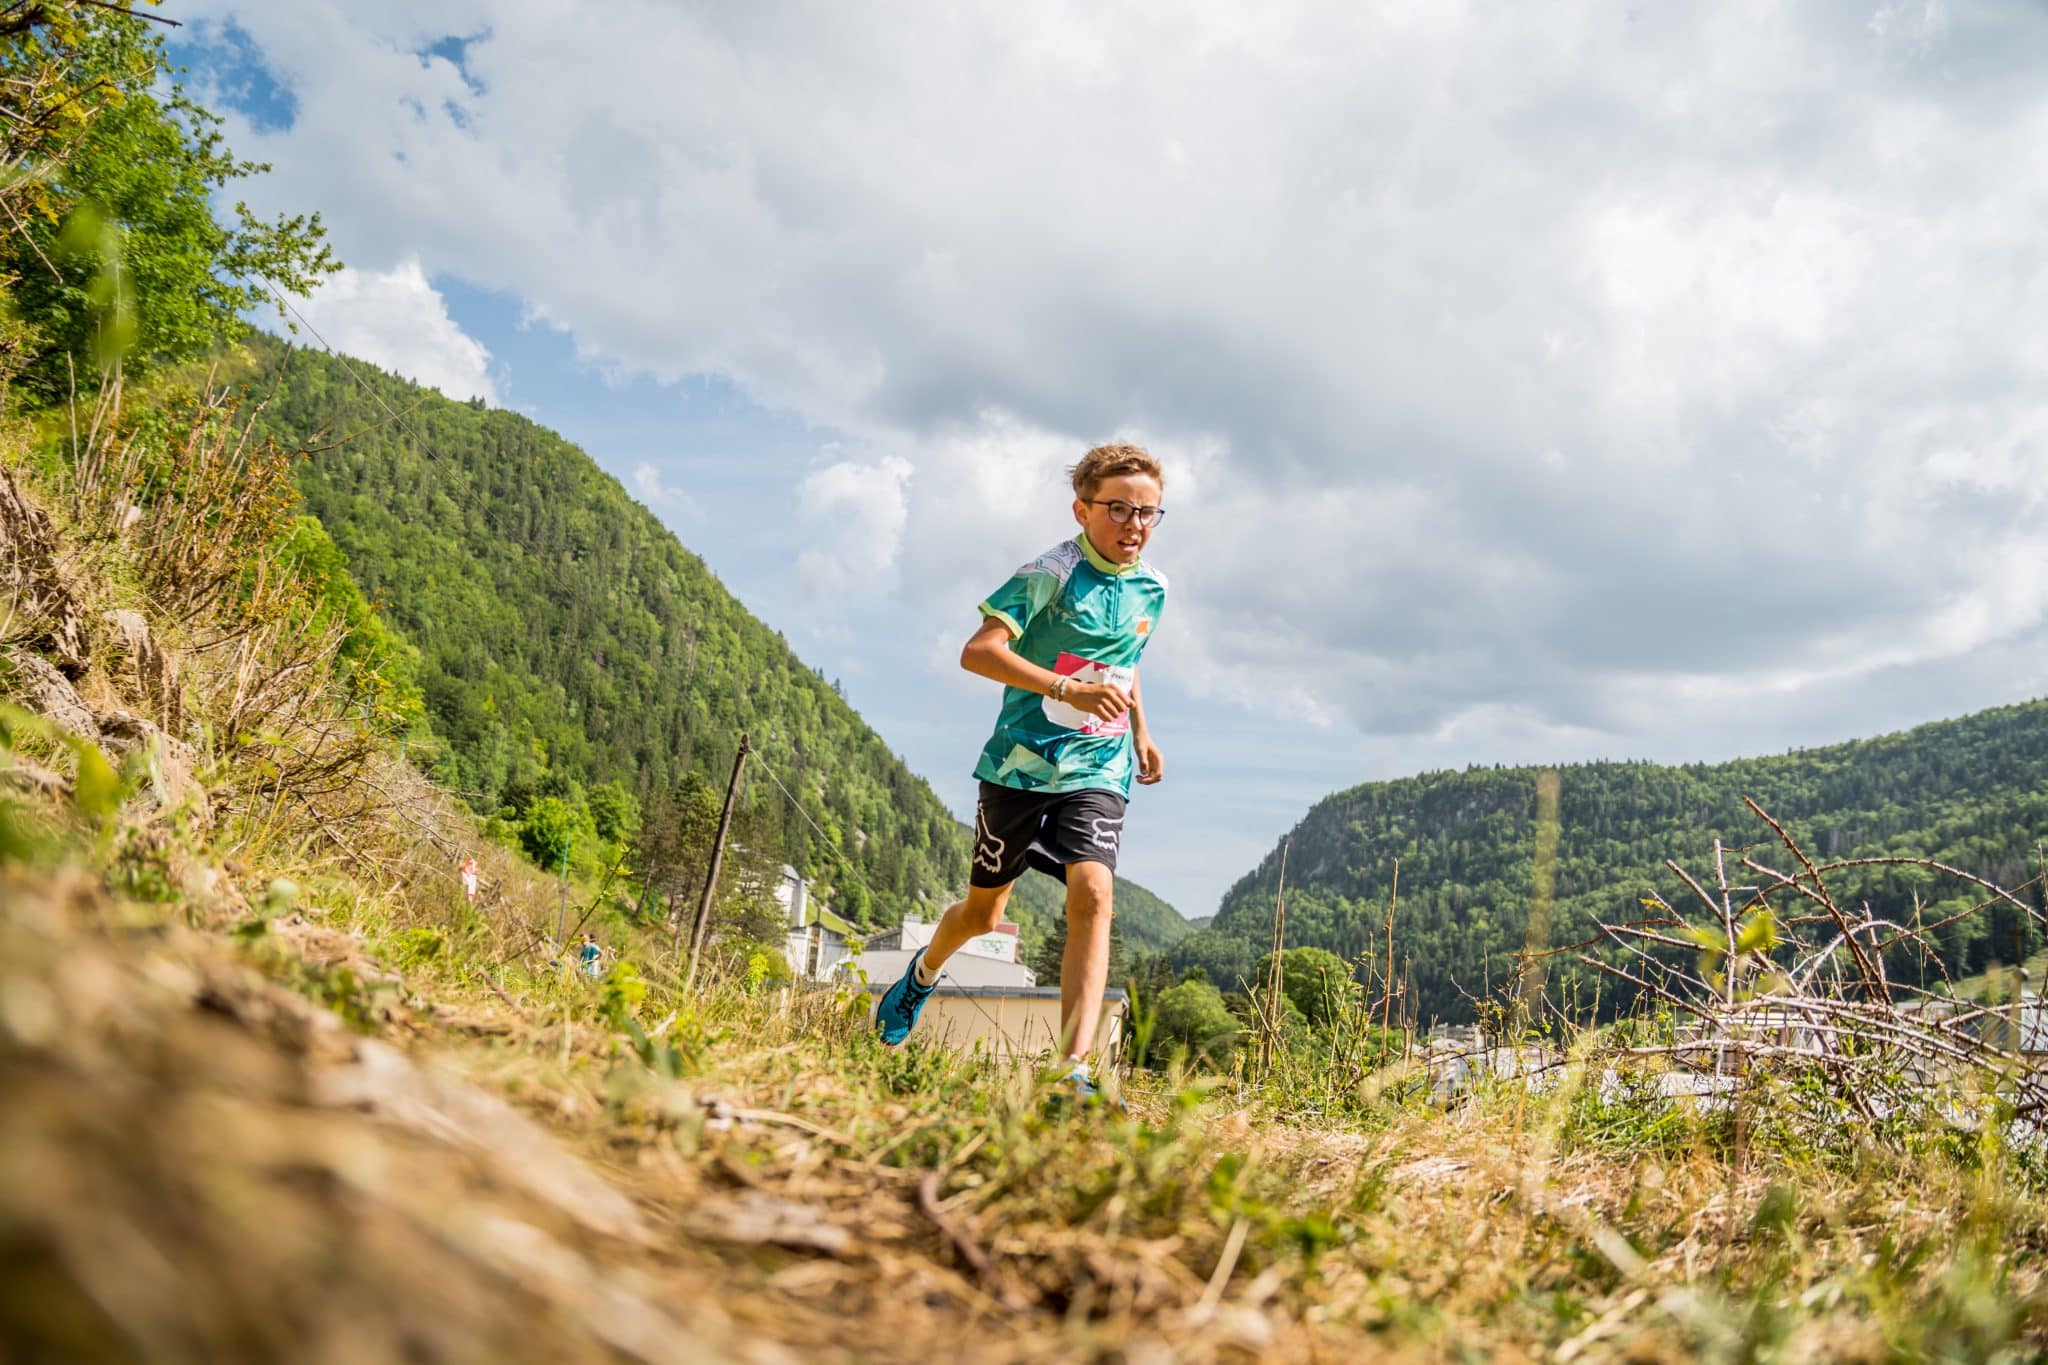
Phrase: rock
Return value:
(47, 692)
(151, 671)
(384, 1082)
(756, 1217)
(34, 777)
(32, 585)
(172, 765)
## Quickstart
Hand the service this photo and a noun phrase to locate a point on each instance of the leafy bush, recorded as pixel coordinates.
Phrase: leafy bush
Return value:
(1192, 1015)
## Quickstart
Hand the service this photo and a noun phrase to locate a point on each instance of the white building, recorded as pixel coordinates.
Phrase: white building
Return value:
(816, 940)
(986, 998)
(995, 959)
(1017, 1022)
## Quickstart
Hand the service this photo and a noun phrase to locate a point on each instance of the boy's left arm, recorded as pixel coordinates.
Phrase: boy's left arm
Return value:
(1151, 767)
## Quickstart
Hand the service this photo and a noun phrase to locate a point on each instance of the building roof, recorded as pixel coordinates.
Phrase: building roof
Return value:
(1115, 993)
(815, 913)
(885, 965)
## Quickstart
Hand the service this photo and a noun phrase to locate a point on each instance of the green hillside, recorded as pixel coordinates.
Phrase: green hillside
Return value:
(1971, 792)
(566, 637)
(1145, 921)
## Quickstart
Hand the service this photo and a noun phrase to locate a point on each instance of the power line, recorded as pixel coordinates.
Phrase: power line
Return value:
(966, 992)
(484, 510)
(830, 845)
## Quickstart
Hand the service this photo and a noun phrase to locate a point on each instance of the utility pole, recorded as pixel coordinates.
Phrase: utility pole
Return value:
(732, 791)
(1387, 1003)
(562, 920)
(1276, 978)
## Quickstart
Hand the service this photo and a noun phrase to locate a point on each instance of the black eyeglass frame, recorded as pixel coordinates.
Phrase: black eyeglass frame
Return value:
(1158, 514)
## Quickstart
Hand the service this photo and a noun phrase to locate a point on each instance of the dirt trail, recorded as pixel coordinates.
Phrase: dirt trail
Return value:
(199, 1163)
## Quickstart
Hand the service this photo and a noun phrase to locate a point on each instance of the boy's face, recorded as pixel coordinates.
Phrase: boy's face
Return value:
(1119, 543)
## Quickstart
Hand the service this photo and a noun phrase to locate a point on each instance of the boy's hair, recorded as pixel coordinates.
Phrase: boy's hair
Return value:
(1106, 462)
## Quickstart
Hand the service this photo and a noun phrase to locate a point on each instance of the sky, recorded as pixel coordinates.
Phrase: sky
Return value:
(1536, 383)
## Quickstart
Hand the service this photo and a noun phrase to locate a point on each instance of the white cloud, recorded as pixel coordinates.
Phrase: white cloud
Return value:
(398, 320)
(656, 492)
(1564, 371)
(856, 514)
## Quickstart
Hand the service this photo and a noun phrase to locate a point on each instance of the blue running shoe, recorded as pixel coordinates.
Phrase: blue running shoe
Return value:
(1078, 1087)
(897, 1015)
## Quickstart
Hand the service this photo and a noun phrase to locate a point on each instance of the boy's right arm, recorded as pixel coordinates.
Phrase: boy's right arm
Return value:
(988, 655)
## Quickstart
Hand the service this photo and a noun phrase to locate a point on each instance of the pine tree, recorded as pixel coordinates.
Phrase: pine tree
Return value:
(1052, 949)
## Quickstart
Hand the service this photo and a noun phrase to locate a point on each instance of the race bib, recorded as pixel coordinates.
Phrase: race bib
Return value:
(1080, 670)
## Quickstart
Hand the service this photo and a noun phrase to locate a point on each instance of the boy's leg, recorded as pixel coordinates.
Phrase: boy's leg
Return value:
(1084, 970)
(979, 914)
(896, 1013)
(1004, 822)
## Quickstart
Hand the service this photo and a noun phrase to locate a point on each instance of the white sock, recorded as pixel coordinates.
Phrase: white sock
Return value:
(1079, 1067)
(926, 976)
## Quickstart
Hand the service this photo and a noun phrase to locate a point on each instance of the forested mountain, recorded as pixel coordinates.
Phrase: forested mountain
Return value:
(567, 640)
(1972, 793)
(1144, 920)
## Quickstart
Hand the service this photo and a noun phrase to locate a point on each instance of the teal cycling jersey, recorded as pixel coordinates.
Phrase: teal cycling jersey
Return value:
(1086, 618)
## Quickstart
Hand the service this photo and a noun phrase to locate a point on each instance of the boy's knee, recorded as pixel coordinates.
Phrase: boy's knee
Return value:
(984, 911)
(1090, 888)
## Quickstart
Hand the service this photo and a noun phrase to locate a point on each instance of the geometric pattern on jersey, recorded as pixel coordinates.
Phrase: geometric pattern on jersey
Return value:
(1086, 617)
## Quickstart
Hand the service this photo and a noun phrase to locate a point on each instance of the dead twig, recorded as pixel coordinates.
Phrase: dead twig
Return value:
(985, 1269)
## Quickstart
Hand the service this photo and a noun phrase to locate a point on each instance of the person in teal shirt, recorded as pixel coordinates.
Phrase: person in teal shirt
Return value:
(1064, 636)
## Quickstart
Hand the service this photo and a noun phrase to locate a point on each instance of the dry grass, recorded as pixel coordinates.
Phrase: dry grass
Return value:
(275, 1089)
(177, 1086)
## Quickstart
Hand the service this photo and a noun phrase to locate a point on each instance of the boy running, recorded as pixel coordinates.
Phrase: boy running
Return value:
(1063, 636)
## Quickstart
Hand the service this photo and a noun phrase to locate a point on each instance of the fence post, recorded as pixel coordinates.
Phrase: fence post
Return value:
(732, 791)
(1276, 1009)
(562, 919)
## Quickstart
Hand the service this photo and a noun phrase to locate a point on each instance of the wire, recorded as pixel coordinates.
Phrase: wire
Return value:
(966, 992)
(830, 844)
(398, 420)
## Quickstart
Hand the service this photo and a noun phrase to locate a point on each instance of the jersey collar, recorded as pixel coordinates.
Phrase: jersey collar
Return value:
(1108, 566)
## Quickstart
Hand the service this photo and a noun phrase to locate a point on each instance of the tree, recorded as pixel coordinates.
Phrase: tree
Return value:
(613, 811)
(119, 255)
(379, 668)
(672, 852)
(1223, 958)
(549, 831)
(1047, 960)
(673, 845)
(1192, 1015)
(1315, 981)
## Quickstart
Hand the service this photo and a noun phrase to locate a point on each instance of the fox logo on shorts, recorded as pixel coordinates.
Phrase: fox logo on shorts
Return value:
(1106, 831)
(988, 850)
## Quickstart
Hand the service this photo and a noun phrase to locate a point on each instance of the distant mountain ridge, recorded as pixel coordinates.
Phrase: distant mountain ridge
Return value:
(1971, 792)
(564, 632)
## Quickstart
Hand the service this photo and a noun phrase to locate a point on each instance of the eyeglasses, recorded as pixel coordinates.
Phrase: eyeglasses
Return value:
(1121, 511)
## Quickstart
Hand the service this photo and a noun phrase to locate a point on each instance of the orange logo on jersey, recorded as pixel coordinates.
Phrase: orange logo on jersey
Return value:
(1143, 627)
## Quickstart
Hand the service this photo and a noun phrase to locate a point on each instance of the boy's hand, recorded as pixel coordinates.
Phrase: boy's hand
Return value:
(1151, 767)
(1104, 701)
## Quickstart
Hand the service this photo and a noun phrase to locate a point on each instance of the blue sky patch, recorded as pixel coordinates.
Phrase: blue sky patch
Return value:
(455, 50)
(222, 59)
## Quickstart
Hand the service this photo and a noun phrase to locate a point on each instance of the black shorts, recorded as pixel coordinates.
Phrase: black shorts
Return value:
(1016, 829)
